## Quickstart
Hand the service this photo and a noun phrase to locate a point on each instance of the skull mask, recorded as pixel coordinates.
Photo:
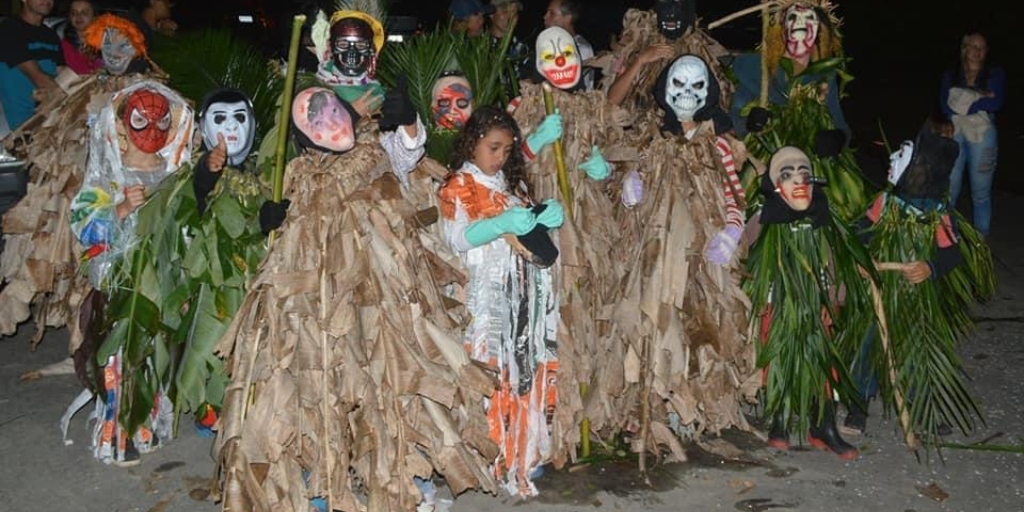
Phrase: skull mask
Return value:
(686, 87)
(146, 116)
(800, 24)
(452, 102)
(674, 17)
(558, 58)
(229, 113)
(352, 47)
(790, 172)
(322, 121)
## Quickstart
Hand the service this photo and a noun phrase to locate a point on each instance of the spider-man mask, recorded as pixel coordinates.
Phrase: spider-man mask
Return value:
(147, 119)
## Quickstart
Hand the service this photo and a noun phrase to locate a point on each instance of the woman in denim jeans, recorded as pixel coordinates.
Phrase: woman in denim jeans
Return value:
(970, 96)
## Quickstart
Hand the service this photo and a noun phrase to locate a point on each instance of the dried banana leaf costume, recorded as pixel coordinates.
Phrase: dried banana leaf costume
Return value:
(803, 110)
(348, 378)
(40, 254)
(686, 353)
(926, 321)
(808, 302)
(140, 137)
(585, 273)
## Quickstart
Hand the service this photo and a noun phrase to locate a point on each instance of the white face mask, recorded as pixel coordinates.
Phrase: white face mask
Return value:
(686, 87)
(117, 52)
(790, 172)
(558, 58)
(900, 160)
(801, 30)
(235, 123)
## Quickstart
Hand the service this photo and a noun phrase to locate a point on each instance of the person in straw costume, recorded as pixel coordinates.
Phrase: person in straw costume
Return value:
(40, 254)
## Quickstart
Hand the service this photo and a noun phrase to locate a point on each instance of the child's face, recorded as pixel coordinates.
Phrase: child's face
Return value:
(492, 151)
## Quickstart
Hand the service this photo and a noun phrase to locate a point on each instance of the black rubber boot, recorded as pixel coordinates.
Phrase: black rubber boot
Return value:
(825, 436)
(856, 417)
(778, 435)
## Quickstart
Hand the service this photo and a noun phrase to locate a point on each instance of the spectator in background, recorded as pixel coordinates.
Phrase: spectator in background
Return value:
(30, 59)
(80, 15)
(152, 17)
(971, 94)
(503, 21)
(468, 16)
(566, 14)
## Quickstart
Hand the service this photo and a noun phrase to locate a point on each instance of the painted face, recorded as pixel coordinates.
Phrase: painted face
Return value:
(800, 25)
(674, 17)
(453, 102)
(558, 58)
(234, 121)
(352, 47)
(147, 119)
(686, 89)
(321, 117)
(81, 14)
(899, 161)
(492, 151)
(790, 172)
(117, 52)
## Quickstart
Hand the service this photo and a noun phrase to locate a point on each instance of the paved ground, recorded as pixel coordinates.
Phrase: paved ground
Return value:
(40, 473)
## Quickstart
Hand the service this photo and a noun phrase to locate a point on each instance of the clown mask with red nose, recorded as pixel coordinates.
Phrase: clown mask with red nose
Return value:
(146, 116)
(800, 30)
(558, 58)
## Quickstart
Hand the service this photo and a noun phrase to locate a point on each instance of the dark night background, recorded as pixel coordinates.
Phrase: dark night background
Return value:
(897, 49)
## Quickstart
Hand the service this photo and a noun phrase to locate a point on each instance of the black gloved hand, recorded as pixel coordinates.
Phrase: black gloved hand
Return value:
(272, 215)
(828, 143)
(757, 119)
(397, 109)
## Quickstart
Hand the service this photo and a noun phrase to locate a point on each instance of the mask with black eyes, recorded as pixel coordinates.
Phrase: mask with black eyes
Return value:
(674, 17)
(229, 113)
(686, 87)
(352, 48)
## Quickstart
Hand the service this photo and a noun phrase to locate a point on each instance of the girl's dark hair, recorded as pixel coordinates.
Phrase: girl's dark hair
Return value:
(480, 123)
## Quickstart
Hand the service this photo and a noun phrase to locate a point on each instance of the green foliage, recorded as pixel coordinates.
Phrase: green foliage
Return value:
(201, 61)
(177, 291)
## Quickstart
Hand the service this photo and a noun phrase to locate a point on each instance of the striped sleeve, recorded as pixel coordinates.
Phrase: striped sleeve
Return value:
(734, 196)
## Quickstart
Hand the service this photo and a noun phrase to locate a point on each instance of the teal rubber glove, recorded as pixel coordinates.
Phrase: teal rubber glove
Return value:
(553, 215)
(596, 166)
(548, 131)
(516, 220)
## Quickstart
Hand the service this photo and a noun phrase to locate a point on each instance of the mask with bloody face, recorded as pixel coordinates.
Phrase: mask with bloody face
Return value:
(452, 102)
(323, 121)
(800, 30)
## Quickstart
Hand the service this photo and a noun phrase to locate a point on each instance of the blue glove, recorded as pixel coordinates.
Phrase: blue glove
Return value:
(516, 220)
(596, 166)
(548, 131)
(553, 215)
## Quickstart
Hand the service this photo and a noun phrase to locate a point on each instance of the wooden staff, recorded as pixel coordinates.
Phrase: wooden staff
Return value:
(738, 14)
(563, 175)
(766, 17)
(286, 109)
(883, 334)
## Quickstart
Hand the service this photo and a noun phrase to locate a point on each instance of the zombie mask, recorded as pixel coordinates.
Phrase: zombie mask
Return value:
(686, 87)
(790, 173)
(800, 30)
(452, 102)
(674, 17)
(117, 51)
(146, 116)
(558, 58)
(229, 114)
(323, 121)
(352, 47)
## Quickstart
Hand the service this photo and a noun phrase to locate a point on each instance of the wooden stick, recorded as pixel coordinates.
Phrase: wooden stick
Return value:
(563, 175)
(765, 25)
(738, 14)
(883, 334)
(286, 110)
